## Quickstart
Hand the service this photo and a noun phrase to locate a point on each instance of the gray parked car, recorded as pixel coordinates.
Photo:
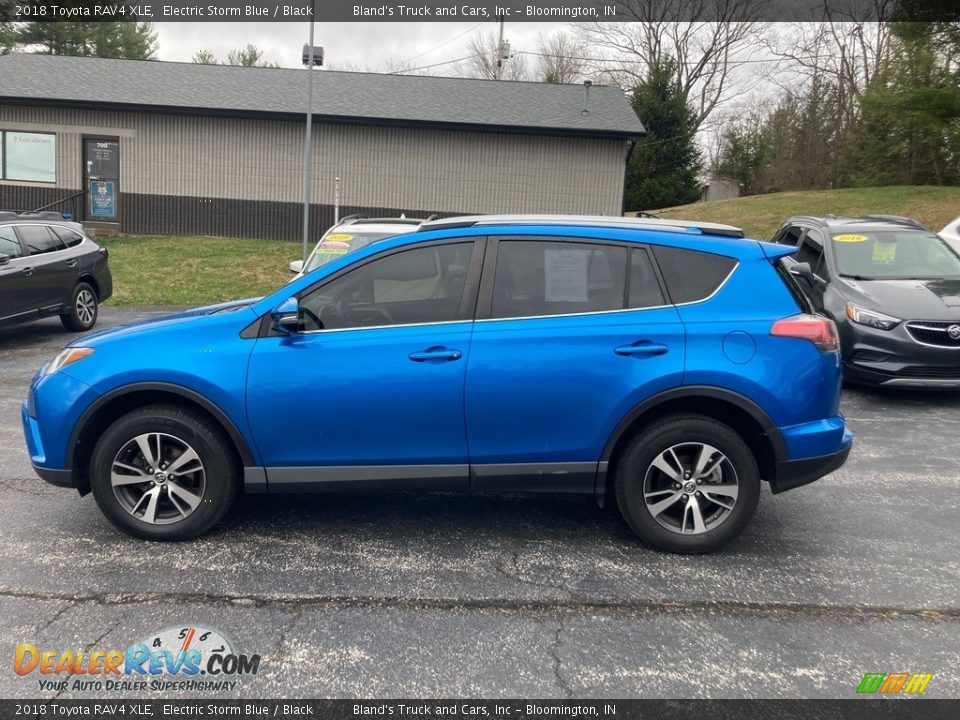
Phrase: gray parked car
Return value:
(50, 266)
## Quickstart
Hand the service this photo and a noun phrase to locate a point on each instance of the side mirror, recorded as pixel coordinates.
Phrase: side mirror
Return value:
(802, 270)
(296, 266)
(286, 316)
(4, 259)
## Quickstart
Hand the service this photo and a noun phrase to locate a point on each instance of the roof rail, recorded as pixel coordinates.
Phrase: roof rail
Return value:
(32, 214)
(706, 228)
(393, 220)
(355, 216)
(898, 219)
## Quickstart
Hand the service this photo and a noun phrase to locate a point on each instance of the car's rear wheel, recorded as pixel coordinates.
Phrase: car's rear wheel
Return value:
(163, 473)
(82, 313)
(687, 484)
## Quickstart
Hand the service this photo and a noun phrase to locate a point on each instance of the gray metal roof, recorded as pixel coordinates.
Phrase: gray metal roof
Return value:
(337, 96)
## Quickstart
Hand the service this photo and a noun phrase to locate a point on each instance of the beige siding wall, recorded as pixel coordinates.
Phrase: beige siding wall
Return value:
(446, 171)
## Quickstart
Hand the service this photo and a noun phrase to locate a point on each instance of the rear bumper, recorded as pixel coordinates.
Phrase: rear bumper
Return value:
(794, 473)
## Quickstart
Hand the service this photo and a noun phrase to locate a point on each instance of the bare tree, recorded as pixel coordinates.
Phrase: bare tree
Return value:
(482, 62)
(561, 58)
(708, 39)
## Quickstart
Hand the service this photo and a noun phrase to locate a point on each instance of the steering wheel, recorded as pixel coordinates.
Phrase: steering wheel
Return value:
(370, 312)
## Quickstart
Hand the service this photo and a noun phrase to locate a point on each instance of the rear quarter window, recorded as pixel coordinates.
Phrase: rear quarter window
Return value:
(692, 275)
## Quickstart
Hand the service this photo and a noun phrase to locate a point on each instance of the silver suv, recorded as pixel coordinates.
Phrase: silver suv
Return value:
(352, 233)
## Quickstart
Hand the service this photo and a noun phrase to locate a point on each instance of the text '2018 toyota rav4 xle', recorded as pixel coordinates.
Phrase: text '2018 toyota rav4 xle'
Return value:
(668, 366)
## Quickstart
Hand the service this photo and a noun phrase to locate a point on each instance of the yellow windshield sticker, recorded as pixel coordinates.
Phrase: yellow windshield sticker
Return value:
(884, 253)
(339, 237)
(850, 238)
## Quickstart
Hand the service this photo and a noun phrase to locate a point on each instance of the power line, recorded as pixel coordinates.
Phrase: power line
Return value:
(445, 42)
(427, 67)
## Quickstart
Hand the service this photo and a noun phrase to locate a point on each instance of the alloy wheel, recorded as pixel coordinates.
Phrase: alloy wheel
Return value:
(690, 488)
(86, 306)
(158, 478)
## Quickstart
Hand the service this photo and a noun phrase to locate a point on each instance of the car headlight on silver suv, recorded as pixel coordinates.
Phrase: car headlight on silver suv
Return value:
(871, 318)
(68, 356)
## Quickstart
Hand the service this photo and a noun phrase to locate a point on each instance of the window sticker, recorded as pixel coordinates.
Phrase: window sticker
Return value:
(850, 238)
(884, 253)
(565, 275)
(339, 237)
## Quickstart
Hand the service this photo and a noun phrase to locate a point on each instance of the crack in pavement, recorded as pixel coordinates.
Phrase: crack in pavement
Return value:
(555, 652)
(503, 605)
(515, 576)
(86, 648)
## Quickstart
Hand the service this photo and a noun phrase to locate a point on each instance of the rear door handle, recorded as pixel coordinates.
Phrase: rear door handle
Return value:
(643, 348)
(71, 263)
(436, 354)
(27, 271)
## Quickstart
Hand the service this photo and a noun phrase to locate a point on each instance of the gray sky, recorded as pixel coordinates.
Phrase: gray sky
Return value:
(362, 45)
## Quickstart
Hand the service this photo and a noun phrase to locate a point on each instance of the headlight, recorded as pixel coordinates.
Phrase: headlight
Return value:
(871, 318)
(68, 356)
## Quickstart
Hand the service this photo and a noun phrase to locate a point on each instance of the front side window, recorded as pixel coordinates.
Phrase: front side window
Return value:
(9, 245)
(30, 157)
(894, 254)
(38, 239)
(422, 285)
(537, 278)
(811, 252)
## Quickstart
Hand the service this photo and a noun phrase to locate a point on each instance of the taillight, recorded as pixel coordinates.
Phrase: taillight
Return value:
(821, 331)
(103, 251)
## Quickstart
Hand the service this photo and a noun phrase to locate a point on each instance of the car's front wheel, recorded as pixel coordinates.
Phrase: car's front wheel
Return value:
(163, 473)
(687, 484)
(82, 313)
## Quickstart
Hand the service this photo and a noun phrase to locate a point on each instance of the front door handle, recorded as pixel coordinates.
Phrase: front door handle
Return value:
(27, 271)
(643, 348)
(436, 354)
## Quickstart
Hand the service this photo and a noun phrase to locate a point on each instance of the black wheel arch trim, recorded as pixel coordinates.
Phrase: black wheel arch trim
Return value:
(691, 391)
(236, 437)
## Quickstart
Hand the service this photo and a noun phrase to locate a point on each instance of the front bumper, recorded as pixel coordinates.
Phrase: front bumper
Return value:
(794, 473)
(892, 358)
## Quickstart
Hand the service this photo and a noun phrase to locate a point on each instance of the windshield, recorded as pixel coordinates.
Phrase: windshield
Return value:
(338, 244)
(904, 254)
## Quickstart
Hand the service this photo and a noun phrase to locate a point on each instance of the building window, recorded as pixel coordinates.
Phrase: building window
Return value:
(30, 157)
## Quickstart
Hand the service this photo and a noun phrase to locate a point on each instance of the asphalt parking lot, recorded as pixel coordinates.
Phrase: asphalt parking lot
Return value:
(511, 596)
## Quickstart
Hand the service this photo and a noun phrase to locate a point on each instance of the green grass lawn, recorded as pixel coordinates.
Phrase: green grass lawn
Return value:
(161, 270)
(761, 215)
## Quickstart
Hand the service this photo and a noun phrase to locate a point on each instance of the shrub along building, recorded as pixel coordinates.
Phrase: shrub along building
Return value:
(156, 147)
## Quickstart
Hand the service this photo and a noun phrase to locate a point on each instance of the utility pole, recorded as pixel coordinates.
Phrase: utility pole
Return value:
(308, 141)
(496, 72)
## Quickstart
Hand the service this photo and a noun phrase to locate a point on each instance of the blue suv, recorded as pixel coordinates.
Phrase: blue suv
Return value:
(668, 366)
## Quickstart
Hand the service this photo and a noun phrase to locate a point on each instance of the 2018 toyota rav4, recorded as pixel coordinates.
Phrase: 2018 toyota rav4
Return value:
(669, 366)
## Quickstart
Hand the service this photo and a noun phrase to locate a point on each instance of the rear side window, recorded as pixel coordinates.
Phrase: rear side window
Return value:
(69, 237)
(537, 278)
(644, 288)
(38, 239)
(692, 275)
(9, 245)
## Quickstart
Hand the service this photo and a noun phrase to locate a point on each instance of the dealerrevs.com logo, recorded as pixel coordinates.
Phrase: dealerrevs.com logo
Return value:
(178, 658)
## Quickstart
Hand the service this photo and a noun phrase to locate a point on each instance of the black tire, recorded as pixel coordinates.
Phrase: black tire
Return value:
(83, 310)
(215, 484)
(687, 434)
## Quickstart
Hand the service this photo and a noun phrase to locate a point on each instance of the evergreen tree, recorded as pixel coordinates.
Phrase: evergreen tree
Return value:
(662, 170)
(132, 40)
(909, 130)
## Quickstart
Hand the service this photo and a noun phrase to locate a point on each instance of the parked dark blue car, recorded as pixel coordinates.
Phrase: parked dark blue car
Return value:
(668, 366)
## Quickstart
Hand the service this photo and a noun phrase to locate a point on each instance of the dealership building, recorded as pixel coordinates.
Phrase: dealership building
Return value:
(178, 148)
